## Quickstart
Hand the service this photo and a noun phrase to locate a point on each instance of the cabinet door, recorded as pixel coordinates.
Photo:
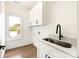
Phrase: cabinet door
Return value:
(32, 16)
(39, 14)
(29, 21)
(35, 15)
(42, 53)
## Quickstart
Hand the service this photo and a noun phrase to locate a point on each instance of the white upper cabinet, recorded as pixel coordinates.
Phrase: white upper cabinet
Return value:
(36, 15)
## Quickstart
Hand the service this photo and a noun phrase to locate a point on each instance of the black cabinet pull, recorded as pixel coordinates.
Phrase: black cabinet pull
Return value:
(36, 21)
(30, 23)
(46, 56)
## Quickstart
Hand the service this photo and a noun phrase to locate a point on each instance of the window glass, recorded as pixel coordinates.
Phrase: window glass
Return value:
(14, 26)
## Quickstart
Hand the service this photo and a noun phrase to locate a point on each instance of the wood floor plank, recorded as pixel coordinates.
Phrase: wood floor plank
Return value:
(28, 51)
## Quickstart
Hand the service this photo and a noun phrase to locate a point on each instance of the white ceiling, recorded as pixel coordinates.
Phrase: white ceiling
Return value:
(25, 4)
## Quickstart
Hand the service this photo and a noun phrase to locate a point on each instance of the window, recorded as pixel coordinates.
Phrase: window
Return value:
(14, 26)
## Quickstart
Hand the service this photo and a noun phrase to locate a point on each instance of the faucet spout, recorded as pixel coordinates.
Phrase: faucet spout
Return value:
(59, 26)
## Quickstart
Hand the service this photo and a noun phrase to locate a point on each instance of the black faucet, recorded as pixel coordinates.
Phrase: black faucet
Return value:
(59, 31)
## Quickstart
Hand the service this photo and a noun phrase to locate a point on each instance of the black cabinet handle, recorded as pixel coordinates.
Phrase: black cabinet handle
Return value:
(46, 56)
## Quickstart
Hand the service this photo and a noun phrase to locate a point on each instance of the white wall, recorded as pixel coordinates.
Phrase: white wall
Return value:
(0, 25)
(15, 10)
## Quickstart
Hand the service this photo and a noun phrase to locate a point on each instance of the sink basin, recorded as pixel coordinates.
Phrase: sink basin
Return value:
(57, 42)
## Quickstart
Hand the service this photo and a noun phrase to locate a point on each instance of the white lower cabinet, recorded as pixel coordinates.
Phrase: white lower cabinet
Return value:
(45, 51)
(58, 54)
(41, 53)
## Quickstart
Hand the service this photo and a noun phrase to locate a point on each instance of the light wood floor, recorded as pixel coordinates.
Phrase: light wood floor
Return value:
(28, 51)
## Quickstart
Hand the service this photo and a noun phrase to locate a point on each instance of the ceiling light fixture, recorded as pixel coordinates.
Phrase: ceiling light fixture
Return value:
(15, 1)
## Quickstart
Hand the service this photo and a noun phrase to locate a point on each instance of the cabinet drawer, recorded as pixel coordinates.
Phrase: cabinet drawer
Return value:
(58, 53)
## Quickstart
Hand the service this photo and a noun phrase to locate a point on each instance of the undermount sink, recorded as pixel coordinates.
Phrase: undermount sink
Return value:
(57, 42)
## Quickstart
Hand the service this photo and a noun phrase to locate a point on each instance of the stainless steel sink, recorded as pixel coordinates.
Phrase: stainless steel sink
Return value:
(58, 42)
